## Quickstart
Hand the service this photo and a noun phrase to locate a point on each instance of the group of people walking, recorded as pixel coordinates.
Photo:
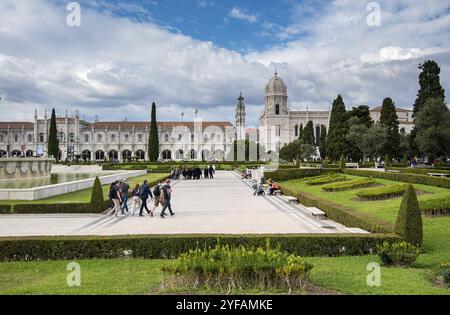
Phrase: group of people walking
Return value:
(161, 195)
(194, 172)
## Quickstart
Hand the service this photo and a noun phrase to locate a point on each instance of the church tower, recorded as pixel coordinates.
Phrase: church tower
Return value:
(240, 118)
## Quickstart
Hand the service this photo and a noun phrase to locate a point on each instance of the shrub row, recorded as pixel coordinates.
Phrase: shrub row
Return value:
(401, 177)
(283, 175)
(436, 206)
(326, 179)
(227, 268)
(171, 246)
(379, 193)
(347, 185)
(344, 215)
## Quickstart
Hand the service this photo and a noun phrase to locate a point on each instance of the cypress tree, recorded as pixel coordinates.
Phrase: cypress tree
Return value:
(153, 139)
(53, 143)
(362, 112)
(308, 134)
(389, 120)
(337, 143)
(430, 85)
(409, 219)
(300, 132)
(97, 195)
(323, 138)
(342, 162)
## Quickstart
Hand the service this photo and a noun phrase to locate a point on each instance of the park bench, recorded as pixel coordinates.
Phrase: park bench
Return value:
(350, 165)
(393, 171)
(291, 199)
(439, 174)
(379, 165)
(316, 212)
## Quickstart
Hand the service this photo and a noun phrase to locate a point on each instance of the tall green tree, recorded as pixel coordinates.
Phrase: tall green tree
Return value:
(362, 112)
(430, 84)
(409, 223)
(53, 143)
(323, 142)
(290, 151)
(153, 139)
(337, 143)
(429, 87)
(433, 129)
(389, 120)
(308, 134)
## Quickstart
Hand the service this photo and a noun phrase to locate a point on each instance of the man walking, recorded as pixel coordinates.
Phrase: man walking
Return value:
(167, 194)
(144, 193)
(124, 189)
(157, 197)
(114, 195)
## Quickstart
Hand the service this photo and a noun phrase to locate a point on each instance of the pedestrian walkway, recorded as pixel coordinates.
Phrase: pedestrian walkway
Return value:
(223, 205)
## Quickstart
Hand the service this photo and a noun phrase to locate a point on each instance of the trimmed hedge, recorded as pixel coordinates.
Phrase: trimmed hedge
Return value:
(379, 193)
(422, 171)
(437, 206)
(403, 177)
(347, 185)
(326, 179)
(171, 246)
(5, 208)
(283, 175)
(344, 215)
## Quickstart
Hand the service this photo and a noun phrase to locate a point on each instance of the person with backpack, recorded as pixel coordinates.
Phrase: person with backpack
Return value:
(157, 197)
(167, 195)
(135, 198)
(114, 195)
(144, 193)
(124, 190)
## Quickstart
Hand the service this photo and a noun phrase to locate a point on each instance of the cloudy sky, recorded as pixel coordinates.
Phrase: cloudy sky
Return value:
(199, 54)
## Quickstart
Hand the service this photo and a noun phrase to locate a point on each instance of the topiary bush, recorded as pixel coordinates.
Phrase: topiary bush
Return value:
(347, 185)
(342, 162)
(97, 195)
(436, 206)
(409, 219)
(400, 254)
(379, 193)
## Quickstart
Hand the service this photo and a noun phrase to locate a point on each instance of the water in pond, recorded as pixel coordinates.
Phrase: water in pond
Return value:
(54, 179)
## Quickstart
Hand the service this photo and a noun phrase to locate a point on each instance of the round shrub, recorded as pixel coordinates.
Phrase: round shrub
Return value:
(400, 254)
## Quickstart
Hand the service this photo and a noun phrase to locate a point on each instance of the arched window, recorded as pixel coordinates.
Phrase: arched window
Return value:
(126, 137)
(277, 109)
(2, 138)
(193, 156)
(71, 137)
(41, 137)
(167, 155)
(30, 138)
(192, 138)
(140, 137)
(166, 137)
(99, 139)
(180, 136)
(296, 130)
(113, 138)
(86, 138)
(99, 155)
(16, 138)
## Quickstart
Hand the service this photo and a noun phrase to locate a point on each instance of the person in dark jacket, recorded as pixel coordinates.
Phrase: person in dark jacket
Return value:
(211, 172)
(144, 193)
(124, 190)
(114, 195)
(167, 195)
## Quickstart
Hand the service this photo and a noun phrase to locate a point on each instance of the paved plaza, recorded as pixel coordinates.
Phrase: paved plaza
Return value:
(224, 205)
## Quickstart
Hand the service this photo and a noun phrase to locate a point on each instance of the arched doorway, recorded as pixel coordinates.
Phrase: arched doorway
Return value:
(29, 153)
(205, 155)
(16, 153)
(86, 155)
(3, 154)
(99, 155)
(140, 154)
(179, 154)
(113, 155)
(193, 154)
(126, 155)
(166, 155)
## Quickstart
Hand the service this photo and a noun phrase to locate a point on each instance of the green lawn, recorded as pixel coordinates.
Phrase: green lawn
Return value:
(85, 195)
(112, 276)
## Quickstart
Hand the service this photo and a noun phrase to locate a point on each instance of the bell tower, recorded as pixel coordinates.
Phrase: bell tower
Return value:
(240, 118)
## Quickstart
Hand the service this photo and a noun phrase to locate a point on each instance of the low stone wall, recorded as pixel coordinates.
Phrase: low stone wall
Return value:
(63, 188)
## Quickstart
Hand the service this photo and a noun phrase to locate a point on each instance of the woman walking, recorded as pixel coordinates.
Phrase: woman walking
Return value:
(136, 200)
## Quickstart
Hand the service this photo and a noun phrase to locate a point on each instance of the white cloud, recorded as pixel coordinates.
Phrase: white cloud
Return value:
(114, 68)
(242, 15)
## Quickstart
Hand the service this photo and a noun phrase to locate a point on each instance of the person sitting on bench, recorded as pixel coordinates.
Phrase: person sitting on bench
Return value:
(273, 186)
